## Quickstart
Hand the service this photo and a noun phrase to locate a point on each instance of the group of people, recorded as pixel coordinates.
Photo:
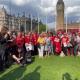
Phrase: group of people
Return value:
(61, 43)
(21, 46)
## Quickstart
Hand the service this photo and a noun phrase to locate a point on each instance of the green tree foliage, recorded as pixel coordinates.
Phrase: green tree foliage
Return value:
(42, 28)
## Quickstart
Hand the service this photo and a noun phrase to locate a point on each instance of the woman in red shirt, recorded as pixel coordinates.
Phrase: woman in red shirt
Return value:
(57, 44)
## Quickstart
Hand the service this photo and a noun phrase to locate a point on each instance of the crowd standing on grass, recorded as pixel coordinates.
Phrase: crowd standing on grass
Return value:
(20, 47)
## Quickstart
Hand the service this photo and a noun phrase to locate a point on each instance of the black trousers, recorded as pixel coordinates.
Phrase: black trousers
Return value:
(1, 63)
(35, 52)
(64, 49)
(7, 57)
(70, 49)
(54, 50)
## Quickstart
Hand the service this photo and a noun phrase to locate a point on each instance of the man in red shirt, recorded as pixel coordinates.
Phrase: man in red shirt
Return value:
(19, 40)
(20, 47)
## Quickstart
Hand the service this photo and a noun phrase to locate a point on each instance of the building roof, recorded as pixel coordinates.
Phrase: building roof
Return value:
(60, 2)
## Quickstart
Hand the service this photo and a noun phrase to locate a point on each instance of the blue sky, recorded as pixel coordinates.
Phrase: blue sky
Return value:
(43, 8)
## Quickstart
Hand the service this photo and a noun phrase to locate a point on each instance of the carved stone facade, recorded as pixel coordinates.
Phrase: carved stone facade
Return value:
(13, 22)
(60, 14)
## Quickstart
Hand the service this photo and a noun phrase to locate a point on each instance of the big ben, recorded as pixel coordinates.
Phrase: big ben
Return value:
(60, 15)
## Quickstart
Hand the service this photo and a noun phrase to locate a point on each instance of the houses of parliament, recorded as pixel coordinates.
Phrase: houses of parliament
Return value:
(60, 21)
(19, 23)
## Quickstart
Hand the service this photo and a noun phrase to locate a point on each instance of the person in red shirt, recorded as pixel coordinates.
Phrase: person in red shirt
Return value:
(19, 40)
(64, 43)
(29, 41)
(20, 46)
(29, 44)
(35, 38)
(57, 45)
(27, 38)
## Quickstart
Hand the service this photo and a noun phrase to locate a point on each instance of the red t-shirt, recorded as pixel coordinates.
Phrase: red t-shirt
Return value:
(27, 39)
(35, 38)
(57, 44)
(19, 41)
(65, 41)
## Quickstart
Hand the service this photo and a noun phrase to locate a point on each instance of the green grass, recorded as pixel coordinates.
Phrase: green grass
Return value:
(51, 68)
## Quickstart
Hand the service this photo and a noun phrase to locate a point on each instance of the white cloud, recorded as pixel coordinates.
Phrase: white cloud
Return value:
(51, 25)
(48, 7)
(46, 10)
(48, 3)
(72, 9)
(21, 2)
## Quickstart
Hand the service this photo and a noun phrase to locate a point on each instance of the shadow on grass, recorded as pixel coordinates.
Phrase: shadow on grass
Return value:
(67, 76)
(35, 75)
(15, 74)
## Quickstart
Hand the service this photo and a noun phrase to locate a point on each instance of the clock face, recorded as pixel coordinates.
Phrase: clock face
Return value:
(60, 7)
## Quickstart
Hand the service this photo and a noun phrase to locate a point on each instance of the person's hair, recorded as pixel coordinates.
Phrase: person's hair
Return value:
(4, 30)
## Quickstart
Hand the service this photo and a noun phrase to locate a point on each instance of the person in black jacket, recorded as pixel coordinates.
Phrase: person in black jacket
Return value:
(2, 50)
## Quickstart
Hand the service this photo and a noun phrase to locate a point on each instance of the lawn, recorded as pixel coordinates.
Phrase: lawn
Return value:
(51, 68)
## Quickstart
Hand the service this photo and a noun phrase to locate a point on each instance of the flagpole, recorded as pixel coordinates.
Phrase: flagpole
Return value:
(25, 24)
(38, 23)
(31, 23)
(19, 21)
(79, 25)
(55, 23)
(10, 16)
(13, 22)
(19, 24)
(66, 22)
(46, 24)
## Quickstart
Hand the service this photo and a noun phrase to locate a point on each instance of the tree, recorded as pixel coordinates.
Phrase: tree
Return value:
(42, 28)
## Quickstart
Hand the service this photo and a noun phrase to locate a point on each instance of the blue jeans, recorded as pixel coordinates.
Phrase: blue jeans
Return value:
(76, 48)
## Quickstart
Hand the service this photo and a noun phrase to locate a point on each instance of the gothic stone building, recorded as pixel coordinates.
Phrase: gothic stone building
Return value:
(20, 23)
(60, 9)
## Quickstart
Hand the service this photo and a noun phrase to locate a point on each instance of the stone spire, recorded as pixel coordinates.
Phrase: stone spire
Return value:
(60, 2)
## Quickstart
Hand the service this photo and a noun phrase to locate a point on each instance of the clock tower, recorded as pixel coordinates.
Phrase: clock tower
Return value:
(60, 15)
